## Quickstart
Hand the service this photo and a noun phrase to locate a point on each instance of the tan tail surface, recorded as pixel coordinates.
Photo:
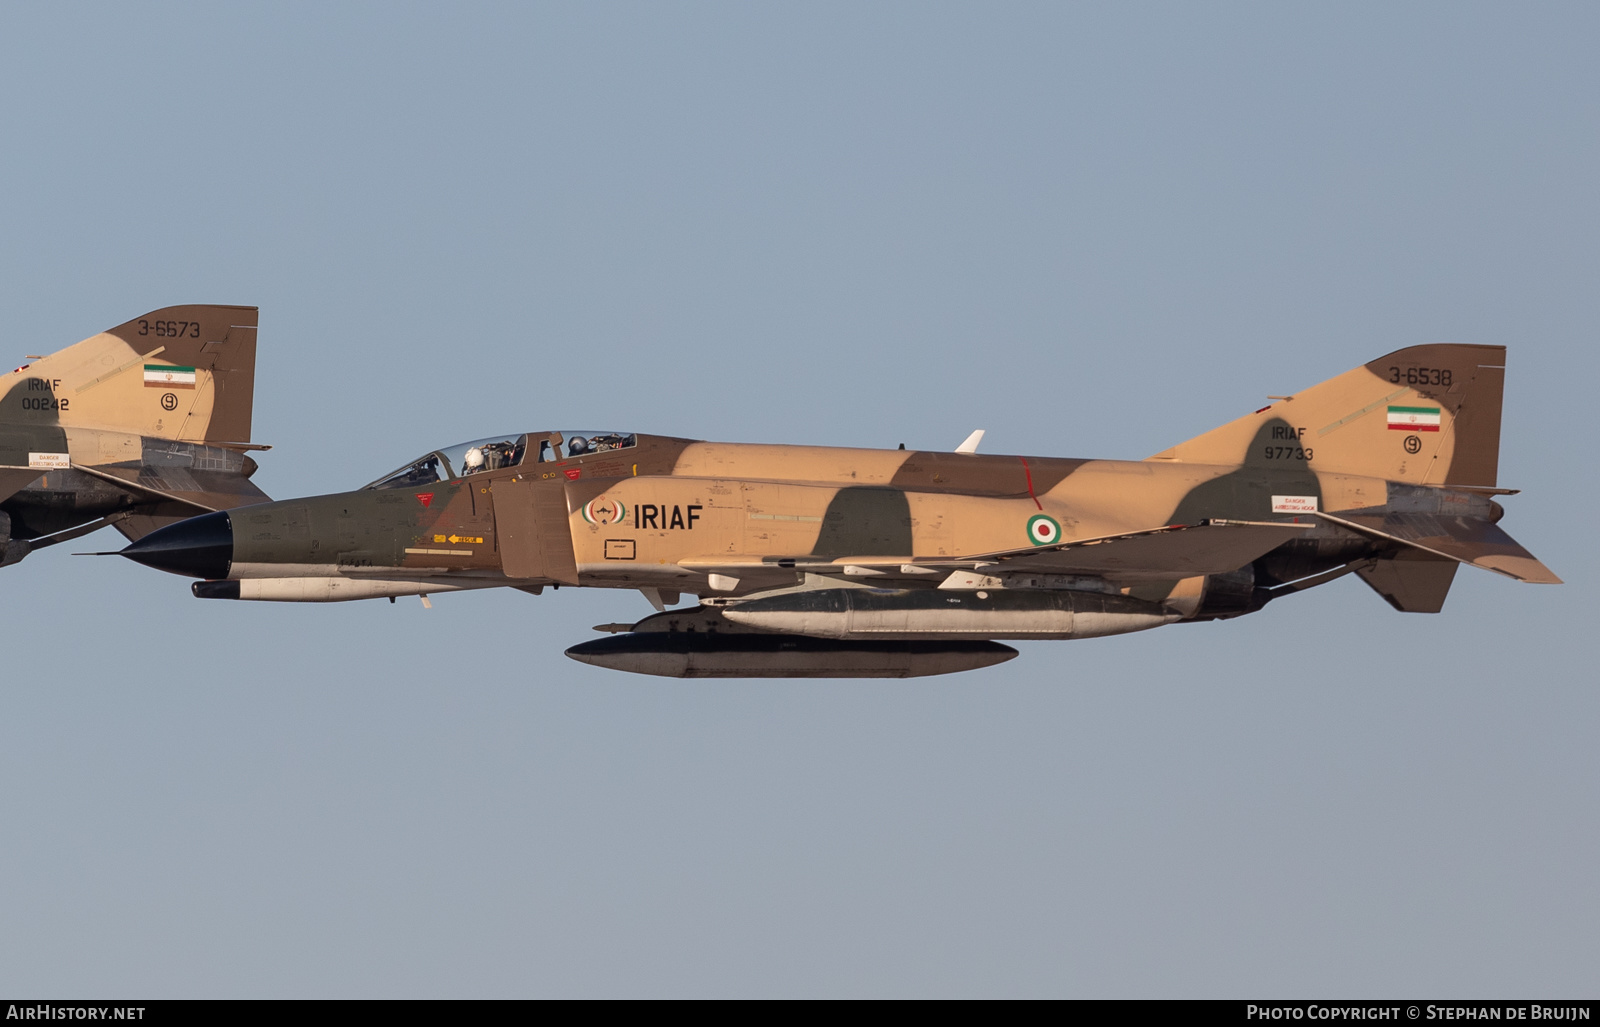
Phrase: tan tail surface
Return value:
(184, 372)
(1427, 415)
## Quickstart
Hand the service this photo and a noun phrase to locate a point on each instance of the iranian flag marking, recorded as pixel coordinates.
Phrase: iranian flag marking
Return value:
(1413, 418)
(161, 376)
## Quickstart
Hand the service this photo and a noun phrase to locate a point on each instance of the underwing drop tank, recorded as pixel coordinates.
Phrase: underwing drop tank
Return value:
(328, 589)
(858, 614)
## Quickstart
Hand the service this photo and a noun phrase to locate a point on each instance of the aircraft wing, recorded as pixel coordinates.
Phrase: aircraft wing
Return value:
(1173, 551)
(1167, 552)
(1469, 540)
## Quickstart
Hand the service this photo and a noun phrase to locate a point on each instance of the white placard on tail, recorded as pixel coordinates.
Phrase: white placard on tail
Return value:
(1294, 504)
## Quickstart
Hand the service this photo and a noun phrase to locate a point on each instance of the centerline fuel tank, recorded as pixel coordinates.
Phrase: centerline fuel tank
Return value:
(754, 655)
(699, 642)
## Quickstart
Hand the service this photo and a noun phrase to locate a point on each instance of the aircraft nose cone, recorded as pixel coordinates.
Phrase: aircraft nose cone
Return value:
(200, 547)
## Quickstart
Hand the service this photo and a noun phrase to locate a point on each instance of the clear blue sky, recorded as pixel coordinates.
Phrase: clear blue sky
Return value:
(1091, 230)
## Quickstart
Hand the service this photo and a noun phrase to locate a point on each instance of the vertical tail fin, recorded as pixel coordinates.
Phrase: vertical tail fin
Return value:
(1427, 415)
(184, 372)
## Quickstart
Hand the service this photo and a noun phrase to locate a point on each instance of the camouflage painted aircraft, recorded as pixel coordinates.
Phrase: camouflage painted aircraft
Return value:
(824, 562)
(141, 426)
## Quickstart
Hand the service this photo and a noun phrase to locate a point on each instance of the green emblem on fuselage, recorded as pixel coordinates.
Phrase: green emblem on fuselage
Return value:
(1043, 530)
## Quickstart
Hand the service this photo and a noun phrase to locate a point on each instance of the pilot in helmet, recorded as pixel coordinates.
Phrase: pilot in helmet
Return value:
(473, 461)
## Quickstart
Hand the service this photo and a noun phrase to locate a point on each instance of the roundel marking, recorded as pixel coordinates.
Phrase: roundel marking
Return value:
(1043, 530)
(601, 510)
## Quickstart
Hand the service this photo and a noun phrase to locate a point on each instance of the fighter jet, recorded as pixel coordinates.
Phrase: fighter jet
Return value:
(141, 426)
(830, 562)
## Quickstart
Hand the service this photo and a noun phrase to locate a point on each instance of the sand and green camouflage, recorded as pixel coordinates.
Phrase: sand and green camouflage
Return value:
(1388, 471)
(140, 426)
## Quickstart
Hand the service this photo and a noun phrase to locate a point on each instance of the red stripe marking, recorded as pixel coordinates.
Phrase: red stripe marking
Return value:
(1030, 482)
(1413, 427)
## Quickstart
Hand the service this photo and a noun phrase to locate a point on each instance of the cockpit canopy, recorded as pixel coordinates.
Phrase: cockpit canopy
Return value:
(498, 452)
(581, 443)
